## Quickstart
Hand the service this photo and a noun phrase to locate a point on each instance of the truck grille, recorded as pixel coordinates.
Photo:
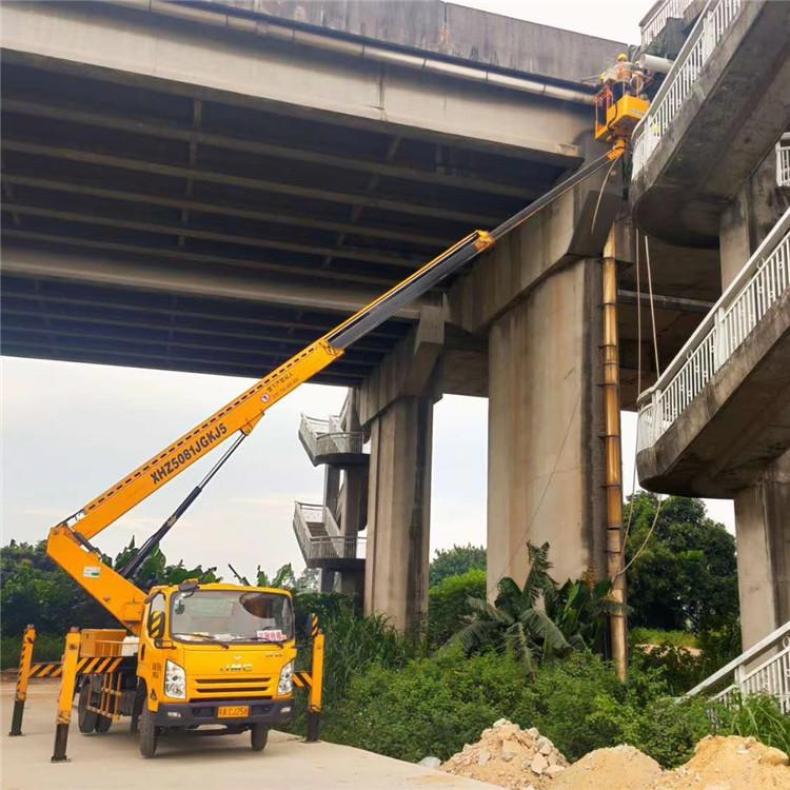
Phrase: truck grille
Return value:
(223, 688)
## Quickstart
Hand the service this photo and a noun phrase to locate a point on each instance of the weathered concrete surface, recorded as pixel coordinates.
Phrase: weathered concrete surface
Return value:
(545, 454)
(560, 234)
(737, 426)
(112, 760)
(741, 105)
(399, 511)
(452, 30)
(239, 62)
(747, 220)
(762, 532)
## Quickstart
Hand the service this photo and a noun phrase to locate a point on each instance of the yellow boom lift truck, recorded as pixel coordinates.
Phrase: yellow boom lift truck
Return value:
(192, 654)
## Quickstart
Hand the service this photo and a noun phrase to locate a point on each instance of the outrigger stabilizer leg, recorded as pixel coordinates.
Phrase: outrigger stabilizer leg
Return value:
(68, 686)
(25, 662)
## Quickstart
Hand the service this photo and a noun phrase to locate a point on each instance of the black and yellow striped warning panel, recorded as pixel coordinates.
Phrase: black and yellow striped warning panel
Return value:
(86, 666)
(46, 669)
(302, 680)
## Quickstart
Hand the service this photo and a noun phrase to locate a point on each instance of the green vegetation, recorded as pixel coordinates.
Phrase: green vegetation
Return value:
(534, 656)
(448, 604)
(685, 577)
(655, 636)
(539, 620)
(455, 562)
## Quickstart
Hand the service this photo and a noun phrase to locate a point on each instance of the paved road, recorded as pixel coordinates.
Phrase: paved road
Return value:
(112, 762)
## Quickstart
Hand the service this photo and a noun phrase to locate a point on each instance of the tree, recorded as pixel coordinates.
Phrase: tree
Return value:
(455, 562)
(685, 576)
(517, 623)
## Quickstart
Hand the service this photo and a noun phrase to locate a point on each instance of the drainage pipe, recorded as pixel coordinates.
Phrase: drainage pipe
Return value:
(359, 49)
(613, 484)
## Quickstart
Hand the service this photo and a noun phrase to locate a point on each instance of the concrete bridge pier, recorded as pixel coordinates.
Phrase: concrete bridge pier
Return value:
(545, 469)
(399, 512)
(396, 410)
(762, 533)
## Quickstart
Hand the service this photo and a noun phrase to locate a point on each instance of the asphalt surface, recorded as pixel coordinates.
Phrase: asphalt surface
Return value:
(112, 761)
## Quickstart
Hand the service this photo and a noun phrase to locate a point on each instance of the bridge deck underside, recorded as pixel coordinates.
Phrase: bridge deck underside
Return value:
(128, 174)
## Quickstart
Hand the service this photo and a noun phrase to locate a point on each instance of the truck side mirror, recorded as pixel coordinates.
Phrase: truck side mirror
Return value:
(156, 625)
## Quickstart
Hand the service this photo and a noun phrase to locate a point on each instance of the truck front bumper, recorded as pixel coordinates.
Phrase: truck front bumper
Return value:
(273, 713)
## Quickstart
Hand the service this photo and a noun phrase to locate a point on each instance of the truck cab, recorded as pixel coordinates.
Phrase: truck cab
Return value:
(215, 655)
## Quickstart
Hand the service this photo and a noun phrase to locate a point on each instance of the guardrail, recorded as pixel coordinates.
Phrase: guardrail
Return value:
(670, 9)
(783, 161)
(764, 279)
(772, 676)
(714, 21)
(327, 437)
(329, 544)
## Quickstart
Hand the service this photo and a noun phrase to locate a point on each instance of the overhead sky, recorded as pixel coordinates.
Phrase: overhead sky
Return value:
(70, 430)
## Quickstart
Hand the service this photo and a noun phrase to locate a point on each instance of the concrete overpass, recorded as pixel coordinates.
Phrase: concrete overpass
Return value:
(207, 187)
(706, 173)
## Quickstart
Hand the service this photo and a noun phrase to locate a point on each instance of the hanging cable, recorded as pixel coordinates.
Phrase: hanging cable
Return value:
(652, 306)
(638, 391)
(639, 551)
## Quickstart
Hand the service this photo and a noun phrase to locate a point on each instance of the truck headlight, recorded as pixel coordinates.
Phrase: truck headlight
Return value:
(286, 684)
(175, 681)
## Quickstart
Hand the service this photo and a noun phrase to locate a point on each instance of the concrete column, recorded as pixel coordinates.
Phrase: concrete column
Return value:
(353, 500)
(762, 532)
(545, 420)
(331, 487)
(399, 495)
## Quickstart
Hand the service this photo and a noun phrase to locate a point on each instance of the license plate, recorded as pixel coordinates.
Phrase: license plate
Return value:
(233, 711)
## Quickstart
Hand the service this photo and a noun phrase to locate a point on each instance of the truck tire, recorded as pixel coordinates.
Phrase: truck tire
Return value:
(103, 723)
(259, 734)
(86, 719)
(148, 733)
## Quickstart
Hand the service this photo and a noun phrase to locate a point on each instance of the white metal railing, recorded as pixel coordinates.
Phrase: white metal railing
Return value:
(772, 676)
(713, 23)
(327, 437)
(783, 161)
(329, 543)
(657, 21)
(758, 286)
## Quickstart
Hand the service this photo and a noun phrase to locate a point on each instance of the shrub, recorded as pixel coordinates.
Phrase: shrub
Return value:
(448, 604)
(432, 706)
(758, 716)
(456, 562)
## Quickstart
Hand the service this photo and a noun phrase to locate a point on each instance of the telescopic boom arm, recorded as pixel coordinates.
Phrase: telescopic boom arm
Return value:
(69, 539)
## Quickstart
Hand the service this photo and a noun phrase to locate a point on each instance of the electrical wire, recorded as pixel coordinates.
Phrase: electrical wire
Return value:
(638, 391)
(639, 551)
(600, 194)
(652, 306)
(548, 482)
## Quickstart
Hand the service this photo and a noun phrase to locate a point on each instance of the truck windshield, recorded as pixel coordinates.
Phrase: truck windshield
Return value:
(231, 616)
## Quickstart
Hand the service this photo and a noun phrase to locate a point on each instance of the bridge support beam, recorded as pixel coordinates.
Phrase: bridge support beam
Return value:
(399, 508)
(762, 532)
(545, 452)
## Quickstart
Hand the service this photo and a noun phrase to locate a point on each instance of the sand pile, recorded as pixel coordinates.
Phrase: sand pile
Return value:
(520, 759)
(510, 757)
(619, 768)
(730, 763)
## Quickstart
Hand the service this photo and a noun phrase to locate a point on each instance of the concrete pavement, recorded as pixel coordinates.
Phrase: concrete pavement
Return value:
(112, 760)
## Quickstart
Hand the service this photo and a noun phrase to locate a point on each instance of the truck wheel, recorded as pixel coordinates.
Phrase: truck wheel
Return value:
(103, 723)
(148, 734)
(86, 719)
(259, 734)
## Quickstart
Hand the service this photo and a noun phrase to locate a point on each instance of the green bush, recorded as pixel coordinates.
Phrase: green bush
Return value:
(448, 604)
(48, 647)
(432, 706)
(758, 716)
(655, 636)
(456, 562)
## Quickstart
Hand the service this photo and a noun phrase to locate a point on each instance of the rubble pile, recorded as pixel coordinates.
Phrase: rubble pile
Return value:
(510, 757)
(518, 759)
